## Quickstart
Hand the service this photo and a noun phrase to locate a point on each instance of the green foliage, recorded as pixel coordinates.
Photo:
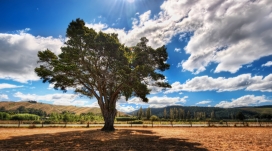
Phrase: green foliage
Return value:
(154, 118)
(39, 112)
(4, 116)
(68, 117)
(240, 116)
(136, 122)
(266, 116)
(164, 113)
(21, 117)
(140, 113)
(148, 113)
(204, 113)
(125, 119)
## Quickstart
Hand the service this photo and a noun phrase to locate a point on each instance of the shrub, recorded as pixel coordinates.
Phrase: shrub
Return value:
(136, 122)
(125, 119)
(47, 122)
(36, 122)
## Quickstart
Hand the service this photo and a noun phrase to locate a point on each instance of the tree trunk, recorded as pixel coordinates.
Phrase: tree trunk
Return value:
(109, 116)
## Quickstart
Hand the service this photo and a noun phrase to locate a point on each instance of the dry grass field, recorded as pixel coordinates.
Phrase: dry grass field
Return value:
(212, 138)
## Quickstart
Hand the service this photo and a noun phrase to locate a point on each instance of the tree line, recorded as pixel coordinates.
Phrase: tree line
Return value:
(23, 109)
(197, 113)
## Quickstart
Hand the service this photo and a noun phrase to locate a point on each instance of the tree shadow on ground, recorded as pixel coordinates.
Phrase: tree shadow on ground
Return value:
(124, 139)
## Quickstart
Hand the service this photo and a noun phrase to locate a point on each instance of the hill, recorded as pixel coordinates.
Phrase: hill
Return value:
(220, 113)
(48, 108)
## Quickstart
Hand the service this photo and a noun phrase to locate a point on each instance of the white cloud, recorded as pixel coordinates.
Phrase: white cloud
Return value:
(9, 86)
(268, 64)
(121, 105)
(4, 96)
(19, 54)
(125, 109)
(177, 49)
(263, 85)
(220, 84)
(157, 102)
(221, 31)
(203, 102)
(247, 100)
(58, 98)
(97, 27)
(51, 87)
(231, 25)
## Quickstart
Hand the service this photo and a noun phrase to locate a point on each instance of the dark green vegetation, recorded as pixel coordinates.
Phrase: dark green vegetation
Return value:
(52, 118)
(98, 65)
(205, 113)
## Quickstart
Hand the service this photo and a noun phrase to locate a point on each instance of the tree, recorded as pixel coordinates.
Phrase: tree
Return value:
(164, 113)
(182, 113)
(140, 113)
(171, 114)
(153, 118)
(240, 116)
(98, 65)
(213, 115)
(21, 117)
(4, 116)
(148, 113)
(188, 115)
(68, 117)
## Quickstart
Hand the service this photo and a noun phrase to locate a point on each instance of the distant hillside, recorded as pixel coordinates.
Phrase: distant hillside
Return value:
(267, 109)
(221, 113)
(48, 108)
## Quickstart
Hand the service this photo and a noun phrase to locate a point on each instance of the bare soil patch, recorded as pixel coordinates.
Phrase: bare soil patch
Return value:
(136, 139)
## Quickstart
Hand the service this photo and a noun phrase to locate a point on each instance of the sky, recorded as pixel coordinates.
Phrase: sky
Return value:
(220, 51)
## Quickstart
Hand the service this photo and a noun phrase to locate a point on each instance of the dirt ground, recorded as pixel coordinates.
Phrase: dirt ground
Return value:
(141, 139)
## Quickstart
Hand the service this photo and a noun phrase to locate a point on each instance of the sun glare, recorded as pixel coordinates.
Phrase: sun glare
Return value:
(130, 1)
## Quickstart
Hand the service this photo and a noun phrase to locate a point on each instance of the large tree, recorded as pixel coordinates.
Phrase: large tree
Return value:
(98, 65)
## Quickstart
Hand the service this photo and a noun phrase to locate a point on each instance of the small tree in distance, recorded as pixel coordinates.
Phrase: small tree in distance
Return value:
(240, 116)
(153, 118)
(98, 65)
(148, 113)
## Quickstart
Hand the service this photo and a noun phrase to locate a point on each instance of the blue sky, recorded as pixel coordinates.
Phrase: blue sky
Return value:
(220, 51)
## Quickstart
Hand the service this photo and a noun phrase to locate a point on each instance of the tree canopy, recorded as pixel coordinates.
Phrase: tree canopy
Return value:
(97, 65)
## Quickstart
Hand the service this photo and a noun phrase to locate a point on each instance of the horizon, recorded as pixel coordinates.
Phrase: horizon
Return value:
(219, 52)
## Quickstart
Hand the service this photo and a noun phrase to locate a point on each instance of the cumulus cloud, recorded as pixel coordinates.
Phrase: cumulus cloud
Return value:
(156, 101)
(8, 86)
(19, 54)
(203, 102)
(220, 31)
(58, 98)
(206, 83)
(263, 85)
(177, 49)
(224, 30)
(268, 64)
(125, 109)
(4, 96)
(247, 100)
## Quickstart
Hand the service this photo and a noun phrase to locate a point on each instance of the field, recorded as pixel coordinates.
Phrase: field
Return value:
(203, 138)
